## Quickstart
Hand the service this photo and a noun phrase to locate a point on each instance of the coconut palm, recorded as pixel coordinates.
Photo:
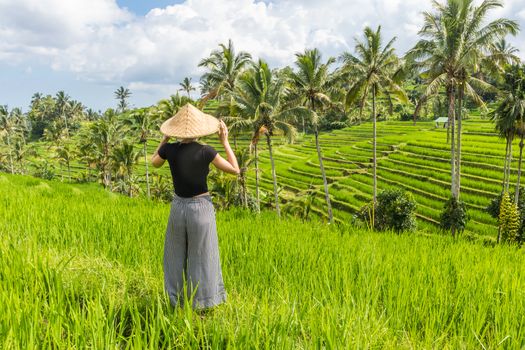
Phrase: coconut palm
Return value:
(103, 135)
(140, 123)
(186, 86)
(20, 151)
(509, 118)
(310, 84)
(124, 157)
(224, 66)
(8, 128)
(65, 154)
(63, 104)
(122, 94)
(377, 71)
(244, 159)
(456, 44)
(261, 99)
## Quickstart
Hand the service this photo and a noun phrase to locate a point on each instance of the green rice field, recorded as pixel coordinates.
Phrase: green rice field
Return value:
(81, 267)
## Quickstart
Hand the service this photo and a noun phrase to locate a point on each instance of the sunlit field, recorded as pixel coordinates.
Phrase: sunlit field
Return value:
(82, 267)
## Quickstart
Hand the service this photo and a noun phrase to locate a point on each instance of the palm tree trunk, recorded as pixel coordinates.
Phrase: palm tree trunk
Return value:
(505, 164)
(274, 177)
(147, 169)
(458, 145)
(10, 154)
(452, 118)
(374, 140)
(509, 164)
(69, 171)
(325, 182)
(257, 196)
(242, 178)
(517, 191)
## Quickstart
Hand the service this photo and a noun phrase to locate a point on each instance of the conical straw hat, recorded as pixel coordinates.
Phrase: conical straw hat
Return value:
(189, 122)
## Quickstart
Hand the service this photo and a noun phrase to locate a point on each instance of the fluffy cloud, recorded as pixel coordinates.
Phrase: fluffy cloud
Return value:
(100, 41)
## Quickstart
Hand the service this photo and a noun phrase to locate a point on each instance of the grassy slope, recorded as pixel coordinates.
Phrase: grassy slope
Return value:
(412, 157)
(82, 267)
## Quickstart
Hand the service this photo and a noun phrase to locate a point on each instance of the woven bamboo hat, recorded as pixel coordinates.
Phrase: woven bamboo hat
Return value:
(189, 122)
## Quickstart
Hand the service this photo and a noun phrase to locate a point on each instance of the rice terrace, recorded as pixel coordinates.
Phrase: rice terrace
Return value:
(364, 196)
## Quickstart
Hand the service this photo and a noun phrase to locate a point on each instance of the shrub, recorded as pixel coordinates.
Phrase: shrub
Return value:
(494, 210)
(45, 170)
(394, 210)
(454, 215)
(509, 219)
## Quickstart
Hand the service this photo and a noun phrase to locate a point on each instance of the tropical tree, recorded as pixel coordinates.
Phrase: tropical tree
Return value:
(121, 95)
(103, 134)
(509, 119)
(124, 157)
(63, 104)
(8, 128)
(310, 83)
(261, 99)
(140, 123)
(186, 86)
(65, 153)
(224, 66)
(377, 71)
(244, 159)
(456, 43)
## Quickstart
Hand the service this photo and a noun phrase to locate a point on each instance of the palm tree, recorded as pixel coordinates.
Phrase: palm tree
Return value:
(7, 130)
(20, 151)
(224, 66)
(103, 135)
(245, 160)
(186, 86)
(124, 157)
(310, 83)
(122, 94)
(260, 98)
(140, 123)
(65, 154)
(456, 44)
(63, 104)
(377, 71)
(509, 117)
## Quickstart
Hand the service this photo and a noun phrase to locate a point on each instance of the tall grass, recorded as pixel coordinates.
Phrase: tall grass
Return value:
(82, 268)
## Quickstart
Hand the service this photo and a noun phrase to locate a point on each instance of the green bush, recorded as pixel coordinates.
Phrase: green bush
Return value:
(454, 215)
(394, 210)
(509, 219)
(494, 210)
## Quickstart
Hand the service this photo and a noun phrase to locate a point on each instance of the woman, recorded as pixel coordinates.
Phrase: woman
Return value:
(191, 251)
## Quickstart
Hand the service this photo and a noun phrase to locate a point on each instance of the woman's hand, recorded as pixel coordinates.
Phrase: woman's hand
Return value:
(223, 132)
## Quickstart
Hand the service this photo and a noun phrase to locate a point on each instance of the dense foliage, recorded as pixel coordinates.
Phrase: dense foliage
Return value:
(454, 215)
(394, 210)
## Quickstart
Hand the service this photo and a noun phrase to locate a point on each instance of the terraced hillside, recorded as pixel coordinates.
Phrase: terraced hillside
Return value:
(415, 158)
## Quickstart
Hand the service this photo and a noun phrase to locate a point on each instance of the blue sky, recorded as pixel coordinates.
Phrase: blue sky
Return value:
(141, 7)
(89, 48)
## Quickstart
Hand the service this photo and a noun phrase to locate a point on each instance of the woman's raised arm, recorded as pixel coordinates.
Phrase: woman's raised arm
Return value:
(230, 165)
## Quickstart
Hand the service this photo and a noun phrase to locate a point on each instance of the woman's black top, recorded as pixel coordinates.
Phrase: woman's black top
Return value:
(189, 165)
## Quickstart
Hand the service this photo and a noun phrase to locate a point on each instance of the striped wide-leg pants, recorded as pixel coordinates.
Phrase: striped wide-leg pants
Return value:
(191, 254)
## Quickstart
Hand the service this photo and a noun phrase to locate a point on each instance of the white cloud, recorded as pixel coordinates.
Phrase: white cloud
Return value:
(102, 42)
